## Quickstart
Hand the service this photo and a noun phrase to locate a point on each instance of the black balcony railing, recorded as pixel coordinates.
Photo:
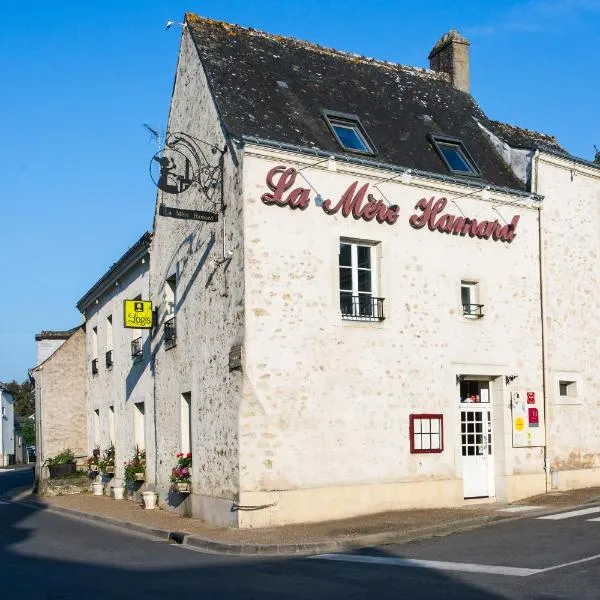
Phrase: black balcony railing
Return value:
(109, 359)
(95, 367)
(170, 333)
(473, 310)
(361, 308)
(137, 350)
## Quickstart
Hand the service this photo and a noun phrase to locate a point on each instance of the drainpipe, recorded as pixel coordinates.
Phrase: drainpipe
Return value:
(548, 474)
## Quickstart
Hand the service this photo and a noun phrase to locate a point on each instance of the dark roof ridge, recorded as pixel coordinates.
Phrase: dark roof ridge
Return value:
(192, 18)
(537, 138)
(98, 288)
(56, 335)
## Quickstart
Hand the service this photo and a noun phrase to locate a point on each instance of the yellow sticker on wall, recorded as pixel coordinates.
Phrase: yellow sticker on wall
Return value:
(519, 423)
(137, 314)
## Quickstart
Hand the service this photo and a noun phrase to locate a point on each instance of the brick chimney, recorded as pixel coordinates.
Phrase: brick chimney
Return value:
(451, 55)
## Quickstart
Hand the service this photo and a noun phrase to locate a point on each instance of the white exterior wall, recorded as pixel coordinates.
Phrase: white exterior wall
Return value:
(128, 381)
(572, 302)
(325, 415)
(206, 259)
(7, 431)
(46, 348)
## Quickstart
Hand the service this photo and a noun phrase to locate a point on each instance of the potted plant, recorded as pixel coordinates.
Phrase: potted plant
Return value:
(107, 464)
(94, 460)
(181, 474)
(135, 469)
(61, 465)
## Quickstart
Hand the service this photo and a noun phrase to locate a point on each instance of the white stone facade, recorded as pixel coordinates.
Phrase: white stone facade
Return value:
(316, 425)
(120, 400)
(7, 427)
(297, 408)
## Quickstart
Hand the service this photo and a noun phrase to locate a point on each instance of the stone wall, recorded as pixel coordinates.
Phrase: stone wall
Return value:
(128, 380)
(206, 259)
(61, 405)
(571, 253)
(327, 401)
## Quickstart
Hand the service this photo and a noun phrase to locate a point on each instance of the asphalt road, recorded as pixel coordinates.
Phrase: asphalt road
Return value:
(53, 557)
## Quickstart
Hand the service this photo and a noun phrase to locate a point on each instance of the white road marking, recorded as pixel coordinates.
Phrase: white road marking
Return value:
(2, 502)
(573, 562)
(430, 564)
(517, 509)
(572, 513)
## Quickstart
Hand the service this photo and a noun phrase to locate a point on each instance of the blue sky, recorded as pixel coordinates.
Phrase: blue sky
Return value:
(79, 80)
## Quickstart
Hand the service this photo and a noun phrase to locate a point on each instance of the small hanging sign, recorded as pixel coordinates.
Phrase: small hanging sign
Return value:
(184, 213)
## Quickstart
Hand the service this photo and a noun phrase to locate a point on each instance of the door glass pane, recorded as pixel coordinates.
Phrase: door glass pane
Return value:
(345, 255)
(364, 280)
(345, 279)
(364, 257)
(346, 303)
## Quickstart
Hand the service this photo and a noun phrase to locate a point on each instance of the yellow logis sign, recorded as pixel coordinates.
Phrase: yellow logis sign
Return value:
(137, 314)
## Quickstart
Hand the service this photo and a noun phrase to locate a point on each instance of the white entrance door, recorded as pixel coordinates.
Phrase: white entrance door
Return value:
(476, 446)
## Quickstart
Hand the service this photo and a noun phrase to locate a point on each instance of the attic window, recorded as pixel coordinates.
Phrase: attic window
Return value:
(455, 155)
(348, 132)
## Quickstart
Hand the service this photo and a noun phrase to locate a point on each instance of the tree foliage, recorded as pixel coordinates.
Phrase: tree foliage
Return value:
(597, 157)
(28, 432)
(24, 397)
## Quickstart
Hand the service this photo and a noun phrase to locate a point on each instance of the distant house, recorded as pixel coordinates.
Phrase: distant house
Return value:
(60, 398)
(7, 430)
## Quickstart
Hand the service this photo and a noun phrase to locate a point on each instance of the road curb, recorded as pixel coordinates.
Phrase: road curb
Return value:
(303, 548)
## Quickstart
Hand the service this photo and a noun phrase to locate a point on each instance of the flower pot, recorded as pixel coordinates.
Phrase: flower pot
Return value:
(94, 469)
(98, 488)
(58, 471)
(118, 492)
(139, 476)
(110, 470)
(182, 487)
(149, 499)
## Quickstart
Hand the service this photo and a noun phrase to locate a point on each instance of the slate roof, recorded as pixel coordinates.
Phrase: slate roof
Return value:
(398, 106)
(56, 335)
(138, 249)
(519, 137)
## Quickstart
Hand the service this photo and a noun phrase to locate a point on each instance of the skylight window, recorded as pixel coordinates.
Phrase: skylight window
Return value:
(348, 132)
(455, 155)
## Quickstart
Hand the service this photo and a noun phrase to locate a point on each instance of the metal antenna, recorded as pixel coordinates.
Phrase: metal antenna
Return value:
(157, 137)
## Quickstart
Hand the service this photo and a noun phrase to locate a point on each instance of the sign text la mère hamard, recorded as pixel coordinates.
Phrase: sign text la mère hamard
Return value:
(361, 204)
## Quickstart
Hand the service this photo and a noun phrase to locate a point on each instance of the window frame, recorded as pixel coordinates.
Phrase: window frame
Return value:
(426, 417)
(349, 120)
(458, 144)
(474, 297)
(355, 292)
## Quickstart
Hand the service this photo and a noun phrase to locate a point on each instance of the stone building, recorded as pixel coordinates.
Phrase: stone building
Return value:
(60, 399)
(118, 364)
(7, 428)
(368, 295)
(366, 311)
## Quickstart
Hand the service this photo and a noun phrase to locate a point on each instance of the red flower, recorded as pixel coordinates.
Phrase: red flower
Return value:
(179, 454)
(188, 455)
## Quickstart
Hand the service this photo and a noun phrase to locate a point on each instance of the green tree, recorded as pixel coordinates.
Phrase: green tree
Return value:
(597, 157)
(28, 432)
(24, 397)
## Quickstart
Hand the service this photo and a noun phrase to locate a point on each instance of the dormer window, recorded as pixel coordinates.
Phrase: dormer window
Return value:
(348, 132)
(455, 156)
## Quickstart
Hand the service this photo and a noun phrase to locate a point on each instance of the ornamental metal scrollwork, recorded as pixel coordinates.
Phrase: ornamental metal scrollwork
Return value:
(183, 163)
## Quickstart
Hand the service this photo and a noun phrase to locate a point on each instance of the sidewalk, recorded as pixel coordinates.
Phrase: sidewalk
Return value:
(331, 536)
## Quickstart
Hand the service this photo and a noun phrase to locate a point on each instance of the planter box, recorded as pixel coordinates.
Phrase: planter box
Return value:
(139, 476)
(64, 470)
(182, 488)
(110, 470)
